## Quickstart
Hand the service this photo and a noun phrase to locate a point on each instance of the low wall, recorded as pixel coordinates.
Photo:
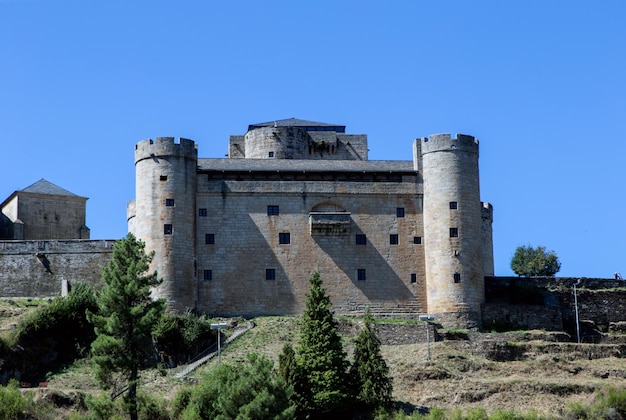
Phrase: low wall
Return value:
(548, 303)
(39, 268)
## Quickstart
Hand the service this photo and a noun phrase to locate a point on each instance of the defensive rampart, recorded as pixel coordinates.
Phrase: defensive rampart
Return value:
(40, 268)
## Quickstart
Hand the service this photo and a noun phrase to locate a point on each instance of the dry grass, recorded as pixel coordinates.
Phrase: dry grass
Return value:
(546, 380)
(546, 384)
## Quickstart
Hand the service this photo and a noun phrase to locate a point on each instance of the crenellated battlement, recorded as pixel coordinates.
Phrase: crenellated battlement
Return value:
(445, 142)
(166, 146)
(211, 225)
(165, 172)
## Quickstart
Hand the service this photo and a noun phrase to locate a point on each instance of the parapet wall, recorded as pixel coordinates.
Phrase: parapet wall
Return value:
(165, 146)
(39, 268)
(444, 142)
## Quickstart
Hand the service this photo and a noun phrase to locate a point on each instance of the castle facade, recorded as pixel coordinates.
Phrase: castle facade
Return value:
(240, 236)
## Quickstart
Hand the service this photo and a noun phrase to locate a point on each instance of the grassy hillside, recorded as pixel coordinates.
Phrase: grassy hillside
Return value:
(548, 377)
(535, 374)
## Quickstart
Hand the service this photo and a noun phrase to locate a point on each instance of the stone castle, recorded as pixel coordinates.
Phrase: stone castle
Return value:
(241, 235)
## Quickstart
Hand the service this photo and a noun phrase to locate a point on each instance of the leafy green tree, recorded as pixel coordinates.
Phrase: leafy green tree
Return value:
(321, 387)
(369, 371)
(532, 262)
(251, 390)
(126, 317)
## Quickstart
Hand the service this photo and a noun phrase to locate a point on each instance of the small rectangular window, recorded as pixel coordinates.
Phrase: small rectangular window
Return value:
(209, 239)
(163, 178)
(453, 205)
(413, 278)
(169, 202)
(457, 277)
(360, 274)
(167, 229)
(417, 240)
(272, 210)
(400, 212)
(202, 212)
(393, 239)
(271, 154)
(284, 238)
(361, 239)
(454, 232)
(270, 274)
(208, 275)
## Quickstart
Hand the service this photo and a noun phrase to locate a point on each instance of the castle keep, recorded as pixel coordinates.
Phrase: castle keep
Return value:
(241, 235)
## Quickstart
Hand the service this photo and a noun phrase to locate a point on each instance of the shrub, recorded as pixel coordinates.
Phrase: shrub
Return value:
(152, 407)
(181, 337)
(610, 403)
(55, 335)
(12, 403)
(251, 390)
(576, 410)
(102, 408)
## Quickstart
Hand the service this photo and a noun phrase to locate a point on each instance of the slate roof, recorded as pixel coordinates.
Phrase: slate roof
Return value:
(304, 165)
(42, 187)
(46, 187)
(304, 124)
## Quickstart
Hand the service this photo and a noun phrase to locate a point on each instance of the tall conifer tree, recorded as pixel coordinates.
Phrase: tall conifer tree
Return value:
(321, 381)
(126, 317)
(369, 371)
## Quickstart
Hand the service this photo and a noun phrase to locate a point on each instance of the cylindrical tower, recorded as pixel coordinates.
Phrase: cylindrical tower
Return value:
(164, 215)
(453, 229)
(277, 142)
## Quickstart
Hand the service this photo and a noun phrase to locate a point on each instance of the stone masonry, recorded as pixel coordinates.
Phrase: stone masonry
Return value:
(41, 268)
(241, 235)
(43, 211)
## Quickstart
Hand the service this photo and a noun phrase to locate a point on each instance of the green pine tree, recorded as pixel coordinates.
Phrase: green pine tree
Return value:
(321, 385)
(126, 317)
(369, 371)
(287, 364)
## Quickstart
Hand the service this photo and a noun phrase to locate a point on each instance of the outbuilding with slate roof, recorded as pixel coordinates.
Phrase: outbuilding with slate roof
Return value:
(41, 211)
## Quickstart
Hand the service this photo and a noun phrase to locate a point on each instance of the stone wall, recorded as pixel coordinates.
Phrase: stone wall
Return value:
(246, 243)
(398, 334)
(39, 268)
(548, 303)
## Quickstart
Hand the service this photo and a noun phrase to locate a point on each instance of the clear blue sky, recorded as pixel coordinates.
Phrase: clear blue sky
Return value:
(541, 84)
